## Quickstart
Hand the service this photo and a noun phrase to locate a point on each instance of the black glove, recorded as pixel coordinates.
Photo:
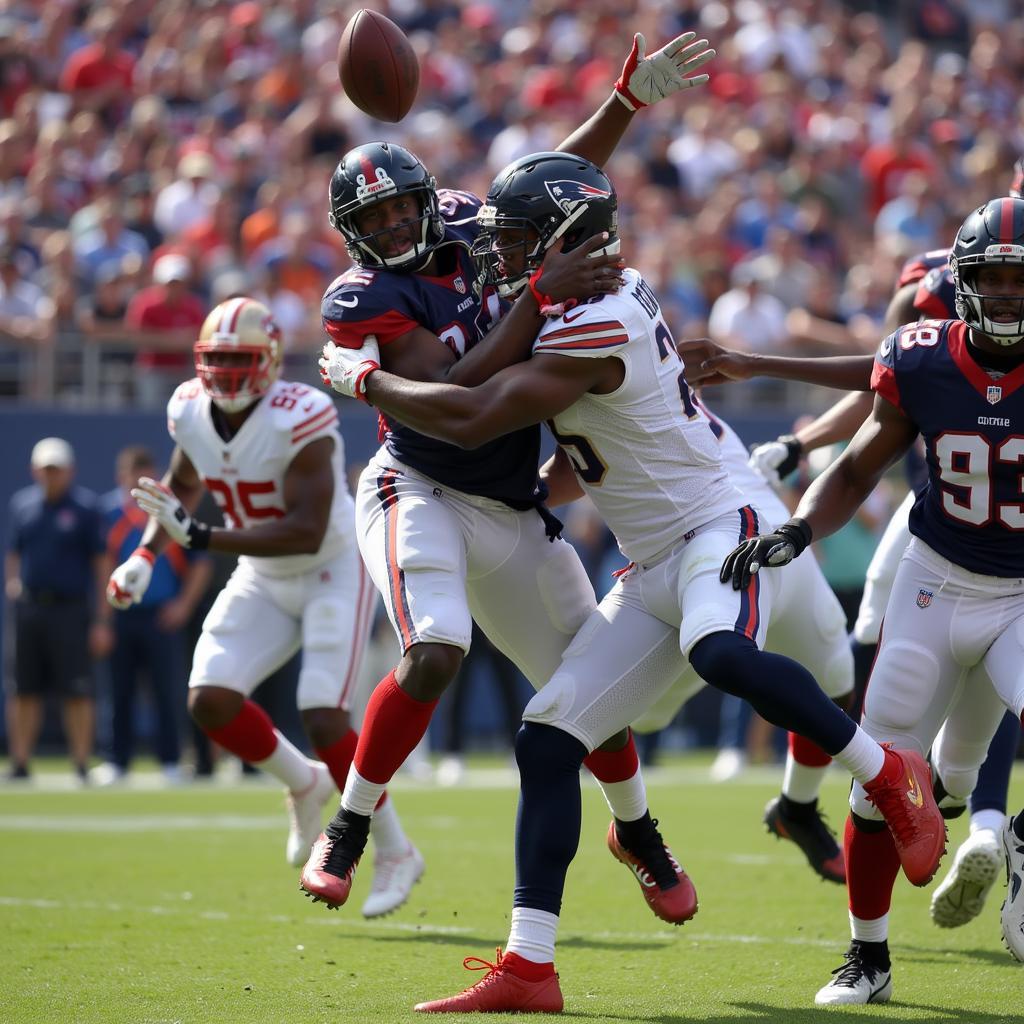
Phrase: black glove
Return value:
(777, 548)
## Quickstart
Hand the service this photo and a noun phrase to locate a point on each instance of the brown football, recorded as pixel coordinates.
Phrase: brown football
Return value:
(377, 66)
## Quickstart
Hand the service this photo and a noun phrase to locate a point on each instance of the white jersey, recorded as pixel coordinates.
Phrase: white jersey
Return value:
(246, 474)
(757, 491)
(644, 453)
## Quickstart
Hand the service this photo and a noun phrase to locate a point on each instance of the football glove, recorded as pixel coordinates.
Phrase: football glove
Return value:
(128, 582)
(645, 80)
(775, 460)
(157, 500)
(346, 369)
(774, 549)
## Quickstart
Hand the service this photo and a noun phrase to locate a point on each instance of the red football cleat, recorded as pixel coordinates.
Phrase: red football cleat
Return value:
(666, 886)
(499, 991)
(903, 793)
(324, 881)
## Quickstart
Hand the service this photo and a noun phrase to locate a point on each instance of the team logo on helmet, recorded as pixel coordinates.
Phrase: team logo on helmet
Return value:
(568, 194)
(382, 182)
(924, 598)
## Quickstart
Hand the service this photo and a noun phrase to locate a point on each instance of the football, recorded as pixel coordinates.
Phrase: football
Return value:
(377, 66)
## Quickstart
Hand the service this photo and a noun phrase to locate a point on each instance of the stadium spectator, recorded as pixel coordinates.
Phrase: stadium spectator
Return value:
(52, 570)
(167, 317)
(747, 316)
(148, 636)
(190, 197)
(99, 76)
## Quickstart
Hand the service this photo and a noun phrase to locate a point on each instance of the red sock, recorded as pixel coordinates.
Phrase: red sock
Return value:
(249, 735)
(394, 723)
(809, 754)
(872, 865)
(338, 757)
(526, 969)
(614, 765)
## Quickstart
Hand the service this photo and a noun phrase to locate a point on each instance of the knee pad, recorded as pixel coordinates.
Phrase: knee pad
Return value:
(904, 680)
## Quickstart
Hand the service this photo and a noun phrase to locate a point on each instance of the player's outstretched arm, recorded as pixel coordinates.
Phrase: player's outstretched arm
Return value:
(646, 79)
(830, 502)
(518, 397)
(706, 363)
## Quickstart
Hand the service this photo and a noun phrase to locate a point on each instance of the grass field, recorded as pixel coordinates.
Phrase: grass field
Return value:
(137, 907)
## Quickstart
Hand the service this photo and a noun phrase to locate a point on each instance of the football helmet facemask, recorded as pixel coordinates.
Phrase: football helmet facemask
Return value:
(365, 176)
(533, 203)
(993, 235)
(238, 353)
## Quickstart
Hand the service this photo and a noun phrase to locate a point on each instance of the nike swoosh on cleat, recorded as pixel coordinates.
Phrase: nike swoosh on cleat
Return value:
(914, 794)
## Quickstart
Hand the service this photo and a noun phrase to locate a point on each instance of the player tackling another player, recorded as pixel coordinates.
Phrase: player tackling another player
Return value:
(607, 377)
(271, 454)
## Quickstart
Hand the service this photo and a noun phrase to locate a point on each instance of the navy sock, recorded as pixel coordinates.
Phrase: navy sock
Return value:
(779, 689)
(994, 775)
(548, 822)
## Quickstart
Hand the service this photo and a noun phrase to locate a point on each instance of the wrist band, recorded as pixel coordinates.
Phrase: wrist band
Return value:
(145, 553)
(198, 536)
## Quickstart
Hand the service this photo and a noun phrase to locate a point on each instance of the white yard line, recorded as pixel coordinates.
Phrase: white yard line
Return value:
(187, 909)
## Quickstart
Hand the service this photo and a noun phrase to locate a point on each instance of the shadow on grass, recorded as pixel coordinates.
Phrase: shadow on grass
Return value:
(801, 1015)
(474, 942)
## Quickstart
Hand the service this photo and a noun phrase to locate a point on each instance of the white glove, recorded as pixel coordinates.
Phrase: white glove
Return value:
(346, 369)
(128, 582)
(775, 460)
(156, 500)
(645, 80)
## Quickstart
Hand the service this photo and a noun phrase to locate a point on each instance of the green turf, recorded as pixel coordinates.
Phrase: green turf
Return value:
(115, 907)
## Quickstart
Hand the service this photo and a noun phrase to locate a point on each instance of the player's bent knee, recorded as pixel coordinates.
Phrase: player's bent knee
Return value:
(427, 669)
(543, 751)
(325, 726)
(722, 659)
(213, 707)
(903, 684)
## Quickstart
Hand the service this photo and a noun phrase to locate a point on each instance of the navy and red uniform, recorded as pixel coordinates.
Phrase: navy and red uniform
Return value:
(388, 304)
(936, 292)
(972, 422)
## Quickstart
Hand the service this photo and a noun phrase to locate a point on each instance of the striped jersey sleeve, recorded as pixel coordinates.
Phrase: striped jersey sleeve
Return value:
(318, 417)
(583, 331)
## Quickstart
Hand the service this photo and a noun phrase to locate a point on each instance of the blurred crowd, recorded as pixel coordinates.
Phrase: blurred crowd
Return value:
(157, 156)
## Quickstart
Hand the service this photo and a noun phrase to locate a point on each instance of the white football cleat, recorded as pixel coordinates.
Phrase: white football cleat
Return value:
(856, 983)
(305, 814)
(394, 875)
(961, 894)
(1012, 915)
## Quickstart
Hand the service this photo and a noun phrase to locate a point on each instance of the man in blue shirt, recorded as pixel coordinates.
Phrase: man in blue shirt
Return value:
(52, 567)
(147, 636)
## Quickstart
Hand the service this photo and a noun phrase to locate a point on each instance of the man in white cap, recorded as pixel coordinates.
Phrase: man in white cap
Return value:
(53, 565)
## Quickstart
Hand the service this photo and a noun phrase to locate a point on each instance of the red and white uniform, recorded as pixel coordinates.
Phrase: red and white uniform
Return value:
(647, 456)
(272, 606)
(807, 622)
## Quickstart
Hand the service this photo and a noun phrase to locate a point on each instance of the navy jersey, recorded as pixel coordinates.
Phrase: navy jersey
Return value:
(934, 298)
(917, 267)
(388, 304)
(972, 422)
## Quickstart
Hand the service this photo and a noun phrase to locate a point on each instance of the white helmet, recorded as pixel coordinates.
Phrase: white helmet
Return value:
(238, 353)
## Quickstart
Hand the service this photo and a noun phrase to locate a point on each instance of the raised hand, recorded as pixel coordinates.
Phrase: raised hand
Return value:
(646, 80)
(346, 369)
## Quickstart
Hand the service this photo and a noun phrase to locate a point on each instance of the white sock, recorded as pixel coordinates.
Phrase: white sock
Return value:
(533, 935)
(870, 931)
(802, 782)
(627, 800)
(388, 835)
(361, 796)
(990, 821)
(290, 765)
(862, 757)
